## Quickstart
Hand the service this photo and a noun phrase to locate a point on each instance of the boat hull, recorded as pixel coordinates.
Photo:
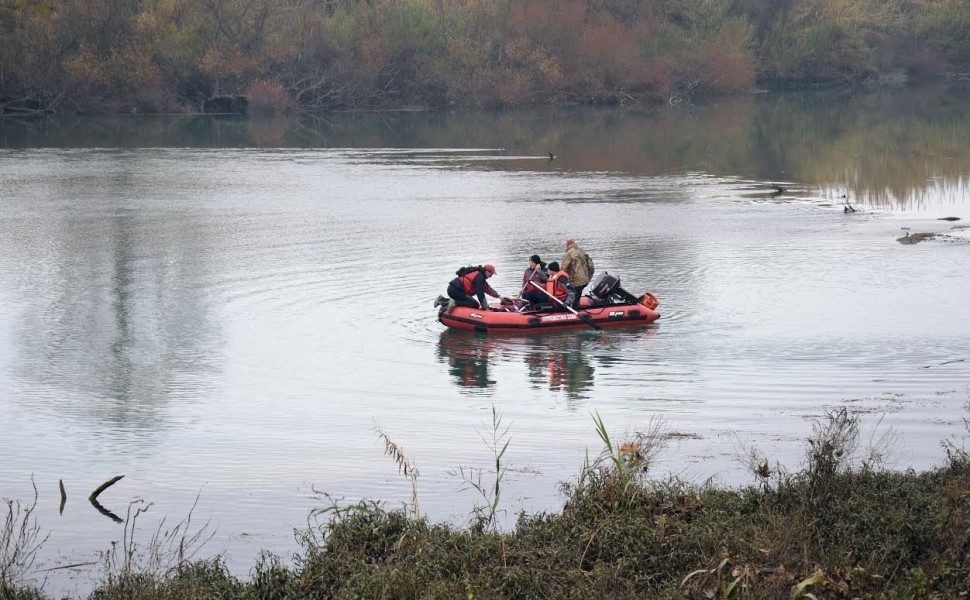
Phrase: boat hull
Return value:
(498, 321)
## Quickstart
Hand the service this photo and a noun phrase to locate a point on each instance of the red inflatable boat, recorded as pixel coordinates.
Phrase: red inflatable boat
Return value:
(607, 306)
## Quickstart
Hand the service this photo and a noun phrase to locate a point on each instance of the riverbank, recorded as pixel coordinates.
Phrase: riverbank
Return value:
(121, 58)
(840, 527)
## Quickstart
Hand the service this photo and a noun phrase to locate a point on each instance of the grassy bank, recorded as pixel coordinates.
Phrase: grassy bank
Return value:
(839, 527)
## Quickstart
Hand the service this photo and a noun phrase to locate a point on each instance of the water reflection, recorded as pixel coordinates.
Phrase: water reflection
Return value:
(561, 363)
(557, 362)
(564, 362)
(467, 356)
(116, 323)
(830, 143)
(120, 293)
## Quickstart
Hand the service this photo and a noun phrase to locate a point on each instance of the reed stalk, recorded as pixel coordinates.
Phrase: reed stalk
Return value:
(405, 466)
(485, 516)
(20, 540)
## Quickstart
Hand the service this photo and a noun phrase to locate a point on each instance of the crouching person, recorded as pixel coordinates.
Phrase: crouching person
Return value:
(471, 283)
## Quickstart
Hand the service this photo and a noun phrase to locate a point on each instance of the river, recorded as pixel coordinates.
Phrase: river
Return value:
(229, 311)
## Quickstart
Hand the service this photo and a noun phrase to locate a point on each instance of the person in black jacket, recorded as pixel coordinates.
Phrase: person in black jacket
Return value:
(535, 275)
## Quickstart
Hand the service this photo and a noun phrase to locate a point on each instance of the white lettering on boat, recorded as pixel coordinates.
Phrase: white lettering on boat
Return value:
(559, 318)
(475, 316)
(616, 313)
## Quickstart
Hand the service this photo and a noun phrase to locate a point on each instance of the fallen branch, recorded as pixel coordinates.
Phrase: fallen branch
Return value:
(70, 566)
(97, 492)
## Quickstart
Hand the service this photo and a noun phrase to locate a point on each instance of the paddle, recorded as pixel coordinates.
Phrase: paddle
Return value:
(585, 318)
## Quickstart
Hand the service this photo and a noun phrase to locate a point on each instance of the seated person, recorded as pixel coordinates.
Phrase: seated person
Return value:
(535, 277)
(557, 286)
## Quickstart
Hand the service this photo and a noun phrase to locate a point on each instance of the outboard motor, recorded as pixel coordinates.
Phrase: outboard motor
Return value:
(603, 285)
(606, 290)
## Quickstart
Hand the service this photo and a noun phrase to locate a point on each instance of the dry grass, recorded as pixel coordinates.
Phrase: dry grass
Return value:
(20, 540)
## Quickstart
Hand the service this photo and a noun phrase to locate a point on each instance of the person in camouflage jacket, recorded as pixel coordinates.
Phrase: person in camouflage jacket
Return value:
(579, 266)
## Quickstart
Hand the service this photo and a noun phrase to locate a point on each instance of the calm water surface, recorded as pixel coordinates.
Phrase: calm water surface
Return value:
(229, 310)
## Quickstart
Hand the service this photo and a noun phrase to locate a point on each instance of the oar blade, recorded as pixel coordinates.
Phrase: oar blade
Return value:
(586, 319)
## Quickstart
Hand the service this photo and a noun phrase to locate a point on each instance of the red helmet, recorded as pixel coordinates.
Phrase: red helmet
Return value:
(490, 269)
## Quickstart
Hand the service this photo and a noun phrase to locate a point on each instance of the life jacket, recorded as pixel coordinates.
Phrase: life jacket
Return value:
(468, 280)
(558, 289)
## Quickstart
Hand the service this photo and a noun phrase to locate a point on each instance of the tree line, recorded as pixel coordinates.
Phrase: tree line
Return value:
(150, 56)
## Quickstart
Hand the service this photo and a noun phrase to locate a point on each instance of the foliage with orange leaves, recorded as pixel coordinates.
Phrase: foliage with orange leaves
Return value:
(108, 55)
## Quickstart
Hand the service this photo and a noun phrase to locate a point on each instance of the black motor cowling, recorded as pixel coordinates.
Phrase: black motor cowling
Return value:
(605, 288)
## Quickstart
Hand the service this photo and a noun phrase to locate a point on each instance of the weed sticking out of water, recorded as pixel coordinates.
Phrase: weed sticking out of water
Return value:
(485, 516)
(404, 465)
(621, 468)
(135, 569)
(20, 540)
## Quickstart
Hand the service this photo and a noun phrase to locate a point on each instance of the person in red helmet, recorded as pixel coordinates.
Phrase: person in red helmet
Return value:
(470, 282)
